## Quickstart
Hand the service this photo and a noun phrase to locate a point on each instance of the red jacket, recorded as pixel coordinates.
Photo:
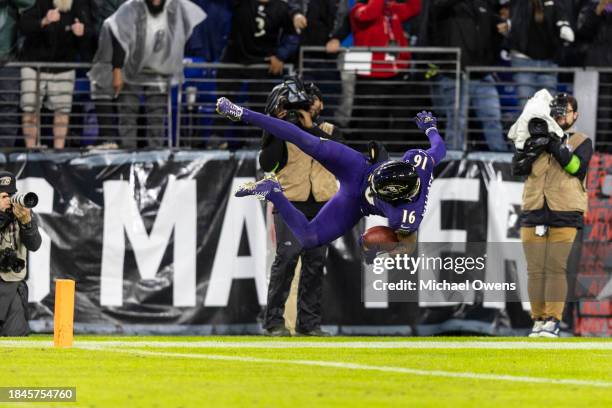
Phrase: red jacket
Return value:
(379, 24)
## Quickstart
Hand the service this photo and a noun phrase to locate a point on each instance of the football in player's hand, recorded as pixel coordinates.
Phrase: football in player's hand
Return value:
(379, 237)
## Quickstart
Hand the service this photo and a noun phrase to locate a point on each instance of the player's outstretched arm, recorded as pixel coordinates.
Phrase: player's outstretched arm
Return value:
(428, 122)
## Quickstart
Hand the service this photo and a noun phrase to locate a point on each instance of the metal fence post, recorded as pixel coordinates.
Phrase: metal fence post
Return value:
(169, 111)
(465, 110)
(457, 108)
(38, 107)
(301, 62)
(179, 98)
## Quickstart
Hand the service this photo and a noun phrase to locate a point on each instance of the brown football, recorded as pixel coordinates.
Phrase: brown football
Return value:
(377, 236)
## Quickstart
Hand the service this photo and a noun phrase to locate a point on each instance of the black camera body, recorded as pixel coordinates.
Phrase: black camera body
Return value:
(558, 106)
(9, 261)
(290, 96)
(292, 109)
(297, 98)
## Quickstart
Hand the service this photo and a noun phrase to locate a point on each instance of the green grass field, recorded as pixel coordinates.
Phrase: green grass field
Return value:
(338, 372)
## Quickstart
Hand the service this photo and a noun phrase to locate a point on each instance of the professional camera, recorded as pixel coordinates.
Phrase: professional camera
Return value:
(297, 98)
(27, 200)
(540, 137)
(537, 127)
(9, 261)
(558, 106)
(291, 96)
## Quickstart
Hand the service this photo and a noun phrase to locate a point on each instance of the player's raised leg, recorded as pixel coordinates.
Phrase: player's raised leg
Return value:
(339, 215)
(344, 162)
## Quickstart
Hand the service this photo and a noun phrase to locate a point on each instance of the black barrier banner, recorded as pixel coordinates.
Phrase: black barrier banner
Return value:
(156, 242)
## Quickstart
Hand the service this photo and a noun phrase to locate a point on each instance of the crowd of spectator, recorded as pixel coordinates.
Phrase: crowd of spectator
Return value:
(134, 46)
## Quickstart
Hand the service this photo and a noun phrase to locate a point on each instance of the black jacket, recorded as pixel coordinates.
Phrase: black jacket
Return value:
(597, 32)
(55, 42)
(325, 20)
(556, 15)
(260, 30)
(469, 25)
(30, 236)
(273, 157)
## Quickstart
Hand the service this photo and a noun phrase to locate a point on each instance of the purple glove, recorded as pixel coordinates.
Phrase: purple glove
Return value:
(426, 120)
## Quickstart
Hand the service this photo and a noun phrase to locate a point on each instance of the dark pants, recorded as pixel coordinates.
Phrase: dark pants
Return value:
(229, 84)
(14, 309)
(288, 250)
(107, 125)
(156, 112)
(9, 105)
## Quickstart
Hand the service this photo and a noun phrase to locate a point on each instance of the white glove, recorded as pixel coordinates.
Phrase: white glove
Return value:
(567, 34)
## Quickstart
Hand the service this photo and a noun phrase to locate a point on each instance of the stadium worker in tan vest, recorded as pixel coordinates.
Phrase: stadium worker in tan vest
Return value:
(308, 185)
(18, 234)
(554, 203)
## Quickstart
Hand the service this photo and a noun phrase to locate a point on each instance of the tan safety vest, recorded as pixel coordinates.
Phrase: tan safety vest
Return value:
(303, 174)
(6, 241)
(548, 180)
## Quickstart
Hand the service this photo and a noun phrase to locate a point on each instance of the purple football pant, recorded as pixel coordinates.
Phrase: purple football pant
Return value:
(340, 213)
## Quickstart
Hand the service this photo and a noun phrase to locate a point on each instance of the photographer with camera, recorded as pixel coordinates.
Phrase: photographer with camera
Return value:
(308, 185)
(18, 234)
(554, 202)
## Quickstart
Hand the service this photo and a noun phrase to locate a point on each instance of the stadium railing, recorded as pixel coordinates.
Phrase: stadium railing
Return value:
(367, 106)
(197, 124)
(591, 86)
(604, 111)
(363, 108)
(90, 123)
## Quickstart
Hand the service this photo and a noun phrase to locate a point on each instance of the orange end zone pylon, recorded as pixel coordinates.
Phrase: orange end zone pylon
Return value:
(63, 319)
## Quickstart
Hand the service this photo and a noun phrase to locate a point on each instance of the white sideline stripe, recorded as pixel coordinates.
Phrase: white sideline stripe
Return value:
(492, 345)
(364, 367)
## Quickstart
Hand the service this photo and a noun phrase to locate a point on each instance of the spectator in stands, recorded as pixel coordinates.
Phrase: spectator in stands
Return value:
(537, 31)
(342, 31)
(139, 59)
(56, 31)
(9, 76)
(208, 39)
(469, 25)
(321, 23)
(105, 105)
(309, 186)
(261, 33)
(380, 92)
(595, 27)
(342, 28)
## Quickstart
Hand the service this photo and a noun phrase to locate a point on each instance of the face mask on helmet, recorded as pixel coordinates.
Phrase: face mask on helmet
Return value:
(395, 182)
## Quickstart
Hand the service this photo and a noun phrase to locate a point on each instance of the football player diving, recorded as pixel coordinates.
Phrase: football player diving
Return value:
(395, 189)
